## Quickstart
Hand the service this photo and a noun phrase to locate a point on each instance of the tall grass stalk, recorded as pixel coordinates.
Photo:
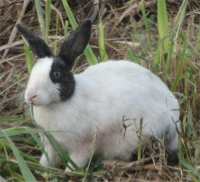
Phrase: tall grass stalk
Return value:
(178, 22)
(66, 29)
(69, 14)
(163, 30)
(194, 172)
(40, 16)
(29, 58)
(28, 176)
(55, 41)
(129, 51)
(163, 24)
(131, 55)
(91, 155)
(14, 131)
(174, 39)
(159, 52)
(47, 18)
(180, 148)
(142, 7)
(140, 140)
(180, 68)
(197, 52)
(41, 145)
(102, 47)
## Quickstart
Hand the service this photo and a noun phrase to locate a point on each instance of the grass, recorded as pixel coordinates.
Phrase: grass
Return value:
(169, 47)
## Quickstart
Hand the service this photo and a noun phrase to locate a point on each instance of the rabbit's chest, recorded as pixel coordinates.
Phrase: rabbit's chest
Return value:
(46, 118)
(60, 124)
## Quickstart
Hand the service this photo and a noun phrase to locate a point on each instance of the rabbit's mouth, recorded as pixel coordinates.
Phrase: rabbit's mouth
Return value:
(37, 100)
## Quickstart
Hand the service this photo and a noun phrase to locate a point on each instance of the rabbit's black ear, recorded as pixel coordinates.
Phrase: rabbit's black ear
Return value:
(35, 43)
(75, 43)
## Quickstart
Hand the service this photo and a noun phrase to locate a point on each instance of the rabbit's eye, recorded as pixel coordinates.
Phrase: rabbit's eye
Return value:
(56, 74)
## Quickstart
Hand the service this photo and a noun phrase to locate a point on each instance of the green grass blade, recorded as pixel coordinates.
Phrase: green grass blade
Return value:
(29, 58)
(102, 47)
(131, 56)
(12, 118)
(176, 30)
(40, 144)
(180, 69)
(140, 140)
(157, 58)
(47, 18)
(91, 155)
(159, 51)
(180, 149)
(189, 167)
(66, 29)
(40, 16)
(163, 23)
(91, 58)
(169, 56)
(178, 22)
(18, 131)
(142, 7)
(28, 176)
(69, 14)
(55, 41)
(198, 45)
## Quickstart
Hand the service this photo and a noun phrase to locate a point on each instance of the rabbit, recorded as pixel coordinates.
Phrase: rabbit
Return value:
(107, 100)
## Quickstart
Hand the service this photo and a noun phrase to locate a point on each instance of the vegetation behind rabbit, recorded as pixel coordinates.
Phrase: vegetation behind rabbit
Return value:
(96, 101)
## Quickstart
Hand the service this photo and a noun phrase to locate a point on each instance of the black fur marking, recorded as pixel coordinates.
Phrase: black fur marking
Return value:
(72, 47)
(35, 43)
(75, 43)
(66, 80)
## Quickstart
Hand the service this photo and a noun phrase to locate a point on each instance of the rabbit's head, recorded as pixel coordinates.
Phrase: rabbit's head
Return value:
(51, 79)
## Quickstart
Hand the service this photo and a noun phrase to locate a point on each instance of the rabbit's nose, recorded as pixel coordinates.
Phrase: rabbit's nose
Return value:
(34, 96)
(30, 96)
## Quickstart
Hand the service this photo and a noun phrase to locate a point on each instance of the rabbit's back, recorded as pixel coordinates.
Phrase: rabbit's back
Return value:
(124, 80)
(124, 90)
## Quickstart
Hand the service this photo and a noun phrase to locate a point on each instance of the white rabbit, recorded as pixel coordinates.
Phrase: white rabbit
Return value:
(80, 106)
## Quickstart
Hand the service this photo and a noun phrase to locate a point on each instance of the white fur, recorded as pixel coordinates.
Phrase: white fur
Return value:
(40, 84)
(104, 94)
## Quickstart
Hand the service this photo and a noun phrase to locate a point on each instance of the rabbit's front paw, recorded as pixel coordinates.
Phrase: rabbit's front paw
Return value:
(67, 169)
(44, 162)
(80, 159)
(52, 160)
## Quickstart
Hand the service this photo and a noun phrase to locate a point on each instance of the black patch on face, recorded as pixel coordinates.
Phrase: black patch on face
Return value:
(61, 75)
